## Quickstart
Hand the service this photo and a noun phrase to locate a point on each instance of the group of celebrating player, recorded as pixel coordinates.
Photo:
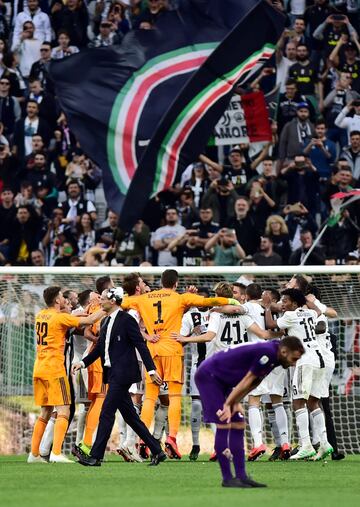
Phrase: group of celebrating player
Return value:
(236, 352)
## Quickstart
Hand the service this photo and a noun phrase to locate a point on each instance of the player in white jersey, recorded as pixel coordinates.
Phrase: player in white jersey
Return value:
(309, 373)
(195, 322)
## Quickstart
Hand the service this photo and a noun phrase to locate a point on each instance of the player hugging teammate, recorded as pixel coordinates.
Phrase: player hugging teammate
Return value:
(237, 317)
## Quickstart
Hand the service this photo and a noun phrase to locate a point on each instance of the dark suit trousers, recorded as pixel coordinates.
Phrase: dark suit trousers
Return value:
(118, 398)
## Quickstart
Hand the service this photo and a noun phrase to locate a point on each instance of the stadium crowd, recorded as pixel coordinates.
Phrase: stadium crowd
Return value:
(261, 205)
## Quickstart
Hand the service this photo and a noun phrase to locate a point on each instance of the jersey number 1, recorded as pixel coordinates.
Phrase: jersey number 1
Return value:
(42, 332)
(159, 311)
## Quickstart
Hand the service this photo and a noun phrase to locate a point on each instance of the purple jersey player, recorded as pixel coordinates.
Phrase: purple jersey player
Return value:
(223, 380)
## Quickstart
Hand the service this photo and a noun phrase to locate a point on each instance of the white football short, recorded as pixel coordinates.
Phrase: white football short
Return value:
(308, 381)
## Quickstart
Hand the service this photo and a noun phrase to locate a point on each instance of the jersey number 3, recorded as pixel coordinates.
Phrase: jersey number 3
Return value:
(42, 332)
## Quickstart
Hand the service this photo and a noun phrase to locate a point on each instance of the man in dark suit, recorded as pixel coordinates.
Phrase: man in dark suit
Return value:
(119, 338)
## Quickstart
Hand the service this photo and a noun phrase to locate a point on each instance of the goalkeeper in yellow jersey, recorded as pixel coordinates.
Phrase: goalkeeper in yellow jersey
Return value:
(162, 311)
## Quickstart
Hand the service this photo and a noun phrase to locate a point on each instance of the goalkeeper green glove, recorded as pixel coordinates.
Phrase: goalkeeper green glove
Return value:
(232, 301)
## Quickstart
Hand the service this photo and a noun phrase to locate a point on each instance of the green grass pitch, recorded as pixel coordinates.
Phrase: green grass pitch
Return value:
(177, 484)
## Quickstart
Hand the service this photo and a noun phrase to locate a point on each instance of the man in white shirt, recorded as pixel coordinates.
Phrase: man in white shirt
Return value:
(40, 20)
(350, 123)
(163, 236)
(28, 48)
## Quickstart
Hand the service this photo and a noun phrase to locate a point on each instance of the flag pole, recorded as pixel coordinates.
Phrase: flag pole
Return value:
(316, 242)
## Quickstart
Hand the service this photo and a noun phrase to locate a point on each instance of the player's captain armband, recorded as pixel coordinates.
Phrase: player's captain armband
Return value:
(232, 301)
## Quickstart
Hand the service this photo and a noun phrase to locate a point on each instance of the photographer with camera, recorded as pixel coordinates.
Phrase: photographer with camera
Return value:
(350, 123)
(221, 197)
(227, 249)
(321, 151)
(331, 31)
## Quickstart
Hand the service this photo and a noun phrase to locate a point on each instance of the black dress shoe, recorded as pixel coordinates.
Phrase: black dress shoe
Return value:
(235, 483)
(88, 461)
(254, 484)
(157, 458)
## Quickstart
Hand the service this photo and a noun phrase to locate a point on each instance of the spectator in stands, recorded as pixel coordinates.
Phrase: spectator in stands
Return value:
(7, 215)
(205, 227)
(284, 61)
(340, 239)
(344, 57)
(25, 235)
(37, 258)
(36, 16)
(64, 48)
(352, 154)
(303, 182)
(75, 205)
(227, 249)
(40, 69)
(13, 73)
(105, 235)
(321, 151)
(221, 197)
(117, 16)
(244, 225)
(304, 72)
(45, 199)
(297, 219)
(163, 236)
(316, 257)
(261, 205)
(27, 49)
(331, 30)
(106, 37)
(275, 188)
(288, 104)
(73, 18)
(8, 168)
(199, 183)
(187, 249)
(47, 106)
(27, 127)
(296, 134)
(130, 247)
(66, 252)
(277, 230)
(350, 123)
(40, 175)
(186, 207)
(266, 256)
(85, 234)
(341, 181)
(10, 111)
(150, 14)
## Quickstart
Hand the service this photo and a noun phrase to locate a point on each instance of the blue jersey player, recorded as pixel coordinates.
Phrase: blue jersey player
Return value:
(223, 380)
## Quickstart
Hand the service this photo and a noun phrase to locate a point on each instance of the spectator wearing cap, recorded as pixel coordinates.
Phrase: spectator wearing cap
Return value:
(344, 57)
(107, 36)
(64, 48)
(75, 205)
(352, 154)
(266, 256)
(10, 111)
(296, 134)
(27, 127)
(27, 48)
(304, 72)
(36, 16)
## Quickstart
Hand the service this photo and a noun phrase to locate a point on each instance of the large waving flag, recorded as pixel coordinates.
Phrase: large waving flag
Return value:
(186, 127)
(115, 97)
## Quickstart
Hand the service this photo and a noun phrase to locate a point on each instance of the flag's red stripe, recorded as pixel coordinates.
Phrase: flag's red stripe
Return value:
(193, 120)
(129, 132)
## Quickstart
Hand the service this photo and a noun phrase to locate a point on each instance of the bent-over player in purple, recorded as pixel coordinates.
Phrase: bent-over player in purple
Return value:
(223, 380)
